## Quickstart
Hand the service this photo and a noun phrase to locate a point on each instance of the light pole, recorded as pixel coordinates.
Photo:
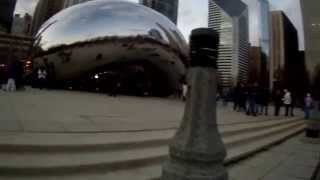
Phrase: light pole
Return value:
(197, 151)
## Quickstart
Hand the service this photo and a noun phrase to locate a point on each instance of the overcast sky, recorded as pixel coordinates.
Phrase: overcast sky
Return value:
(194, 13)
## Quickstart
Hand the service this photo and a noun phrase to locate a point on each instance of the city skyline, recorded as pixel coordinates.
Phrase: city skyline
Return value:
(190, 17)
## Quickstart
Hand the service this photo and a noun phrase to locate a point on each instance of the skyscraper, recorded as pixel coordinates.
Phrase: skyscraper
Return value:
(259, 27)
(6, 14)
(230, 19)
(311, 17)
(284, 52)
(68, 3)
(45, 9)
(168, 8)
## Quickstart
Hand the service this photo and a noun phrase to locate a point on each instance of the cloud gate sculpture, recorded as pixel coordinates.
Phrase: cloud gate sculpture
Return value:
(89, 38)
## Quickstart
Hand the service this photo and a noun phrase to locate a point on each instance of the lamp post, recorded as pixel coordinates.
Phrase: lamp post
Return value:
(197, 151)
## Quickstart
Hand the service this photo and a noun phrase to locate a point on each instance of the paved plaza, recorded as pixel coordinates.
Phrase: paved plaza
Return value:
(57, 111)
(295, 159)
(53, 133)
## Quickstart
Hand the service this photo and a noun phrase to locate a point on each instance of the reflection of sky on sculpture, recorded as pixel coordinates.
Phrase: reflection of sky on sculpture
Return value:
(115, 18)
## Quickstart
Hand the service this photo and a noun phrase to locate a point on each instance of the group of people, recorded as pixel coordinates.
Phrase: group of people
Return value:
(252, 100)
(14, 76)
(42, 78)
(255, 101)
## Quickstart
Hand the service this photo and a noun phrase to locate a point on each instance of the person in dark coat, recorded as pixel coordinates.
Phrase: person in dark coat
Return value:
(51, 75)
(243, 99)
(12, 76)
(293, 104)
(277, 99)
(236, 98)
(264, 101)
(252, 100)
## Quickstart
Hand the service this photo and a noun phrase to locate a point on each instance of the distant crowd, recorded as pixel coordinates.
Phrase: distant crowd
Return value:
(255, 101)
(13, 79)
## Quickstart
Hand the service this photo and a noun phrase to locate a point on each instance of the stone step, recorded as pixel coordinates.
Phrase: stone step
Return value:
(30, 163)
(62, 142)
(247, 137)
(153, 171)
(79, 163)
(246, 150)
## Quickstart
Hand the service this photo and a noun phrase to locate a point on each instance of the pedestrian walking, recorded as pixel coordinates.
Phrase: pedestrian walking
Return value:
(225, 94)
(264, 101)
(236, 98)
(252, 101)
(287, 101)
(277, 100)
(12, 76)
(51, 77)
(42, 77)
(243, 99)
(184, 91)
(293, 104)
(308, 105)
(11, 85)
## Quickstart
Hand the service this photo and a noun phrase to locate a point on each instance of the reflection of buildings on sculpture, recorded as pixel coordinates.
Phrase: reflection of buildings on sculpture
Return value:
(155, 34)
(168, 8)
(311, 17)
(13, 47)
(6, 14)
(230, 19)
(22, 25)
(45, 9)
(99, 44)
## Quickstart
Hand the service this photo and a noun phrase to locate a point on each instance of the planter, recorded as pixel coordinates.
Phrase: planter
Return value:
(312, 133)
(313, 129)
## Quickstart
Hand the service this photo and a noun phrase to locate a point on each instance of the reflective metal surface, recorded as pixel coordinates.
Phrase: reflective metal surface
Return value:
(88, 36)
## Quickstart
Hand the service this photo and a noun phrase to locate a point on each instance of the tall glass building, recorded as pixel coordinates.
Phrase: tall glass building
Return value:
(232, 25)
(259, 27)
(168, 8)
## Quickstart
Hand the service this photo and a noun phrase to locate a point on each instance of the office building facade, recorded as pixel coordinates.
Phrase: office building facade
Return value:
(168, 8)
(232, 25)
(285, 62)
(6, 14)
(311, 19)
